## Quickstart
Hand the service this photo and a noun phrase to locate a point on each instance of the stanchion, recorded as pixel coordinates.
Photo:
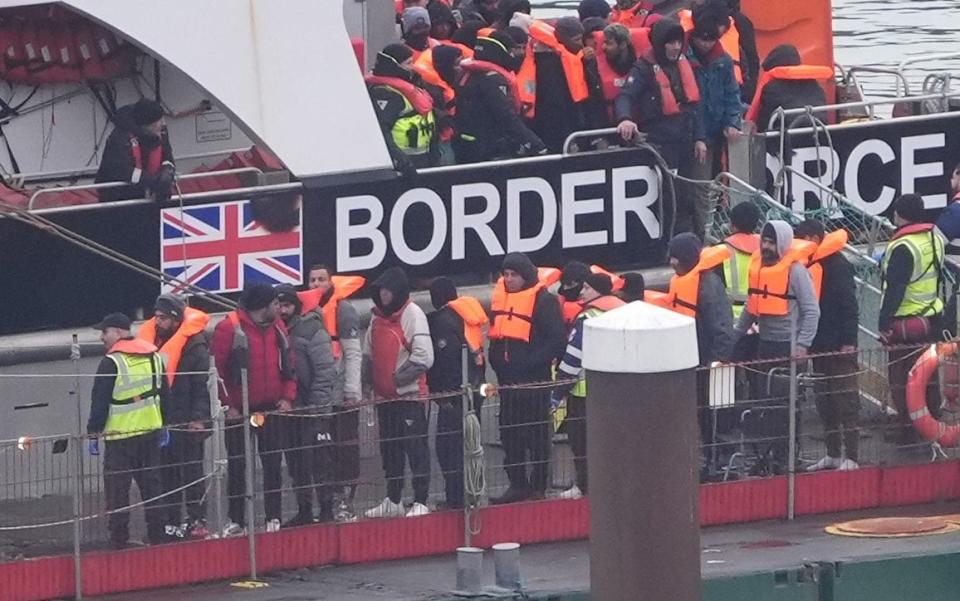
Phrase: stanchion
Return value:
(249, 471)
(792, 421)
(465, 409)
(216, 444)
(643, 455)
(78, 477)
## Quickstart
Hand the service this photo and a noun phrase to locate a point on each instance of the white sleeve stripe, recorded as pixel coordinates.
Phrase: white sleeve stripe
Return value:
(137, 174)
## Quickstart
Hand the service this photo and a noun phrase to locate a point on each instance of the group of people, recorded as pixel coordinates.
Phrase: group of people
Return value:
(478, 80)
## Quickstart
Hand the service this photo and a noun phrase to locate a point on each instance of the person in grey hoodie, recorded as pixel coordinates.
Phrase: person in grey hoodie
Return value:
(309, 449)
(780, 336)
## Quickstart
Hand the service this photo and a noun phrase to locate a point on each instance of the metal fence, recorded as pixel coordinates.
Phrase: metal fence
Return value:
(456, 451)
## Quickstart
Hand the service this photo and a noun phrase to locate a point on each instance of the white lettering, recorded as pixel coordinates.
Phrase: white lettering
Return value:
(827, 163)
(569, 182)
(911, 171)
(548, 199)
(851, 176)
(460, 221)
(638, 205)
(439, 213)
(346, 232)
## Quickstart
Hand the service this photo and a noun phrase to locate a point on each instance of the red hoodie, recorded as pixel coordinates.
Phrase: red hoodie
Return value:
(267, 384)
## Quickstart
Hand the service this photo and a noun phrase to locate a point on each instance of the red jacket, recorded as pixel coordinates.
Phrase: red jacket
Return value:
(267, 382)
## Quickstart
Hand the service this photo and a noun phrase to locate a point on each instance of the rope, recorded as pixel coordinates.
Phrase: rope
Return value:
(474, 480)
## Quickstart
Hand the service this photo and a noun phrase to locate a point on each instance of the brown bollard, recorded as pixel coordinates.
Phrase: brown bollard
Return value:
(642, 455)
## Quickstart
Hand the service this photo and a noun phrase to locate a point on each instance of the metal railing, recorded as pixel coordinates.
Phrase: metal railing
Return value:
(107, 185)
(851, 76)
(902, 67)
(870, 105)
(587, 133)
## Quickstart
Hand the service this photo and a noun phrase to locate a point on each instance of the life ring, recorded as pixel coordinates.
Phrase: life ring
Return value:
(948, 435)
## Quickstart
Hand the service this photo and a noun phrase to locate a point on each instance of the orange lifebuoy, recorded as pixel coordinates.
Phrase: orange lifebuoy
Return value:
(932, 430)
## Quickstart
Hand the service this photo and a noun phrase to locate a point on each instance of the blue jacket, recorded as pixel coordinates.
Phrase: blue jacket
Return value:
(719, 93)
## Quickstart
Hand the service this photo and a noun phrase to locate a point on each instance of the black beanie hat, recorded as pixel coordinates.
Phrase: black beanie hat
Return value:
(171, 305)
(147, 111)
(910, 207)
(288, 294)
(398, 52)
(442, 291)
(256, 296)
(633, 286)
(600, 282)
(685, 248)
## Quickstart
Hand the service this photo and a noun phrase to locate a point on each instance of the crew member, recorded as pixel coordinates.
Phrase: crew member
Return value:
(456, 322)
(911, 308)
(949, 220)
(596, 296)
(743, 241)
(254, 338)
(488, 119)
(553, 82)
(397, 353)
(526, 336)
(137, 152)
(661, 93)
(327, 295)
(178, 331)
(125, 411)
(634, 13)
(309, 451)
(839, 404)
(404, 109)
(793, 86)
(780, 294)
(719, 101)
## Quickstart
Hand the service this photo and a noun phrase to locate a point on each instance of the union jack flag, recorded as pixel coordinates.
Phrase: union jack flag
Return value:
(220, 246)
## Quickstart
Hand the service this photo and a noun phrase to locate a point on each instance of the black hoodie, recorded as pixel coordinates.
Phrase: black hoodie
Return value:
(117, 164)
(515, 361)
(394, 280)
(788, 93)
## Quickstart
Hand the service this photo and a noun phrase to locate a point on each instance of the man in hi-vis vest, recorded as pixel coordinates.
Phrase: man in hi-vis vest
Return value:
(125, 412)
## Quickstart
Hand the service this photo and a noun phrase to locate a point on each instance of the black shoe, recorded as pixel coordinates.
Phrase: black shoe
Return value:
(513, 495)
(301, 519)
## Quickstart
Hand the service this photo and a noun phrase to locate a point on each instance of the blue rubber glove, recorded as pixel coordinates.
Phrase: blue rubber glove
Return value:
(556, 399)
(164, 437)
(93, 446)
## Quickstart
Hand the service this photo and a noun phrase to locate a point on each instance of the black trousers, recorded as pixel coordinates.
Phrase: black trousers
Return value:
(309, 457)
(576, 422)
(839, 405)
(269, 442)
(403, 439)
(449, 446)
(182, 459)
(774, 426)
(346, 451)
(525, 426)
(128, 460)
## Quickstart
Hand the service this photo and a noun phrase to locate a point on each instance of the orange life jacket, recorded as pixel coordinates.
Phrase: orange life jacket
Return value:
(635, 16)
(668, 101)
(485, 32)
(474, 318)
(548, 276)
(605, 303)
(655, 297)
(685, 289)
(611, 82)
(787, 72)
(472, 66)
(570, 310)
(832, 244)
(154, 158)
(194, 322)
(344, 286)
(512, 312)
(769, 286)
(420, 99)
(572, 67)
(465, 51)
(615, 280)
(730, 41)
(431, 43)
(134, 346)
(745, 243)
(640, 36)
(424, 66)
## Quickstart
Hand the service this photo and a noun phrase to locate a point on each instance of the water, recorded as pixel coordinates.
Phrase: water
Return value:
(878, 33)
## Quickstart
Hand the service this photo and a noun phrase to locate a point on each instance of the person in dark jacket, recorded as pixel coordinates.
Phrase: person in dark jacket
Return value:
(639, 107)
(447, 330)
(837, 331)
(556, 114)
(254, 338)
(787, 93)
(309, 450)
(948, 221)
(482, 12)
(180, 336)
(719, 101)
(749, 59)
(443, 24)
(137, 152)
(525, 422)
(418, 148)
(488, 119)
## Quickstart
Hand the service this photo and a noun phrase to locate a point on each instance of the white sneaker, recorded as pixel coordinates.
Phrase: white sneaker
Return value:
(827, 463)
(417, 510)
(273, 525)
(573, 492)
(233, 529)
(848, 465)
(386, 509)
